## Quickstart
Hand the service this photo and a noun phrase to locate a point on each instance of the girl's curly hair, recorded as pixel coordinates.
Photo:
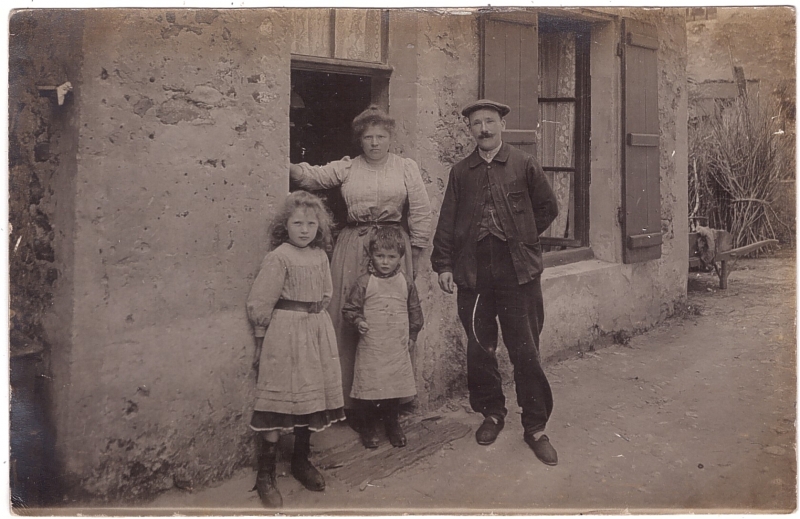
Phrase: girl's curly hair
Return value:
(373, 115)
(303, 199)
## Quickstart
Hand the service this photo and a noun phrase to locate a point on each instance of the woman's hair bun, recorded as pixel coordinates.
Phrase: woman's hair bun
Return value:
(372, 115)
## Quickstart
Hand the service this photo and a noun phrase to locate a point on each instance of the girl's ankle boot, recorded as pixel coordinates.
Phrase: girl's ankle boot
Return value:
(369, 429)
(302, 469)
(266, 485)
(391, 420)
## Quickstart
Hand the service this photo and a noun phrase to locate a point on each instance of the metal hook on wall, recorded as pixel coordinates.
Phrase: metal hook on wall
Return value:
(61, 91)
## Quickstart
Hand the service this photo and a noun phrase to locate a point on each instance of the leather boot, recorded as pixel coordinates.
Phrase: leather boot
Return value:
(369, 429)
(354, 418)
(302, 469)
(391, 420)
(266, 484)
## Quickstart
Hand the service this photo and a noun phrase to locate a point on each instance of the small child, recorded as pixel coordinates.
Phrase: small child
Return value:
(299, 384)
(384, 306)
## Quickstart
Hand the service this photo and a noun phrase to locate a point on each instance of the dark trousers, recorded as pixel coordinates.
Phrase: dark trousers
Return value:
(520, 310)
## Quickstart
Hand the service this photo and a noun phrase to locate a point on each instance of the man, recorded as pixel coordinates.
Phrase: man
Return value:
(496, 204)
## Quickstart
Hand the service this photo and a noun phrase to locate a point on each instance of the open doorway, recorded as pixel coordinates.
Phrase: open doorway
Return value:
(321, 113)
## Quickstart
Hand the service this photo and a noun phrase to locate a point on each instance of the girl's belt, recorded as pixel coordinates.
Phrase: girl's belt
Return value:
(311, 307)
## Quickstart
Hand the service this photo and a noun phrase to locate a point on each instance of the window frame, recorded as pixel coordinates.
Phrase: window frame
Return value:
(332, 60)
(379, 72)
(582, 137)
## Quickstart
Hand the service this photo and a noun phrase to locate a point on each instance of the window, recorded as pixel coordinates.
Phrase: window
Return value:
(539, 64)
(701, 13)
(338, 69)
(343, 41)
(563, 132)
(347, 34)
(322, 108)
(540, 68)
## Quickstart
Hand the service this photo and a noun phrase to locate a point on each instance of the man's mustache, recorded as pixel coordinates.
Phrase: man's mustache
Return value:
(485, 135)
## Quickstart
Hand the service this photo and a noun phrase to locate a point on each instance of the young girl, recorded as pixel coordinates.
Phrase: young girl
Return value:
(384, 306)
(299, 378)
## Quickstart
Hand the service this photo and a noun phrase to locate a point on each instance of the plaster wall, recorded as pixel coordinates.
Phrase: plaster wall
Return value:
(183, 154)
(435, 55)
(605, 190)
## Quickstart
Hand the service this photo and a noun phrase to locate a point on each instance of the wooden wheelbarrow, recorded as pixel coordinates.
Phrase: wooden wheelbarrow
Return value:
(723, 252)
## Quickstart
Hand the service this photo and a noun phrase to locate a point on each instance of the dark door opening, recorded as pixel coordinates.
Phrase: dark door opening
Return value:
(321, 113)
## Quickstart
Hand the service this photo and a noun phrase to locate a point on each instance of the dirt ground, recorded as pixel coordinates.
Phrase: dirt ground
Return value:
(696, 414)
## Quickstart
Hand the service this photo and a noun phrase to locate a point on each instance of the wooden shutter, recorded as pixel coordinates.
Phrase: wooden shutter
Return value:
(509, 63)
(641, 184)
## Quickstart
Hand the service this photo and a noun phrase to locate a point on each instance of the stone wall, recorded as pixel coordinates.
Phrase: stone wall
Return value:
(762, 40)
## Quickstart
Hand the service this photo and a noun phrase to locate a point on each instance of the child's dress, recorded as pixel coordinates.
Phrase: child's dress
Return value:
(390, 306)
(299, 377)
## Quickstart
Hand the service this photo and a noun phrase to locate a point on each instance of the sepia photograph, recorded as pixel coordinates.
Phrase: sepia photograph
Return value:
(382, 261)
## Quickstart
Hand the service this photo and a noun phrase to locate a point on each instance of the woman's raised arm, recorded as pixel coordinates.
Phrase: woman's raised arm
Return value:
(328, 176)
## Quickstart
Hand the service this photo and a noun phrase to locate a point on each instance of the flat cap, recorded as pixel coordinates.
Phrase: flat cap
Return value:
(486, 103)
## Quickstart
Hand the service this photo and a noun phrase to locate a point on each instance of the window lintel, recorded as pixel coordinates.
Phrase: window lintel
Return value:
(340, 66)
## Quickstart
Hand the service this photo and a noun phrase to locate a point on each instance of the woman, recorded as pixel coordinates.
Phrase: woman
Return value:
(377, 187)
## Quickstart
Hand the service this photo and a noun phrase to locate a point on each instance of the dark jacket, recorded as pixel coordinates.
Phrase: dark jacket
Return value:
(523, 199)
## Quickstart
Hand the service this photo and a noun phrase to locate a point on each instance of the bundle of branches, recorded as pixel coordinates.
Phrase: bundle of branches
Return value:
(737, 157)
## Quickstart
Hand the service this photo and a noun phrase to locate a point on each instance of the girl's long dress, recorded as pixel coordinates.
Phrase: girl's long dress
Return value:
(299, 377)
(372, 194)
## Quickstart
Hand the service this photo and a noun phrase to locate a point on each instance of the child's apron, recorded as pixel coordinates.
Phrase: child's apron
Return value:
(383, 364)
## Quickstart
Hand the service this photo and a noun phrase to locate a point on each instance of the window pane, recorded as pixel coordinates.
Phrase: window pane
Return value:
(557, 64)
(559, 111)
(563, 183)
(556, 131)
(311, 30)
(556, 134)
(358, 34)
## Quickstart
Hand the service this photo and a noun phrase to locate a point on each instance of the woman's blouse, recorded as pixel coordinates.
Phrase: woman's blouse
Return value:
(376, 193)
(288, 272)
